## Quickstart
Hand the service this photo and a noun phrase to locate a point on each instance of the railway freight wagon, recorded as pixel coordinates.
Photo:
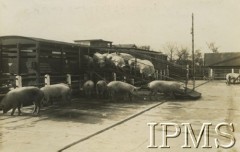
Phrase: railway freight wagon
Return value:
(33, 58)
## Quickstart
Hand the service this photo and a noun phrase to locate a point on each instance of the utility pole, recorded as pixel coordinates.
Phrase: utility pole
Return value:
(193, 58)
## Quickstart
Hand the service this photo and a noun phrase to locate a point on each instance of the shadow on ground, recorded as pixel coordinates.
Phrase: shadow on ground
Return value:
(87, 110)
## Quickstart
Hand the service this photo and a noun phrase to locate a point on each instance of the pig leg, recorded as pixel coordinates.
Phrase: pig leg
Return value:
(156, 97)
(13, 110)
(234, 80)
(47, 98)
(38, 108)
(19, 110)
(102, 94)
(63, 98)
(35, 108)
(112, 95)
(69, 97)
(228, 80)
(66, 97)
(152, 94)
(171, 94)
(42, 102)
(97, 92)
(89, 93)
(130, 96)
(105, 94)
(86, 93)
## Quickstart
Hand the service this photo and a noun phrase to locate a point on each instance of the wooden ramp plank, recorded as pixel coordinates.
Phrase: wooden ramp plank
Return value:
(188, 94)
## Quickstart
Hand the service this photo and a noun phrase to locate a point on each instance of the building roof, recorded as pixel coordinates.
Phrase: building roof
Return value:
(27, 40)
(93, 40)
(125, 45)
(35, 39)
(228, 59)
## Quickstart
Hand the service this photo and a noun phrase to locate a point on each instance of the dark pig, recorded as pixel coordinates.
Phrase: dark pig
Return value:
(23, 96)
(88, 88)
(101, 88)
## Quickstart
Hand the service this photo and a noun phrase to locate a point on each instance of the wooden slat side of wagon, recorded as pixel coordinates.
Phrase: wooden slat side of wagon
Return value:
(25, 56)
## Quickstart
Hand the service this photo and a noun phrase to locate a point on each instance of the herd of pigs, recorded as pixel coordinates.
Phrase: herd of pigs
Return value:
(25, 96)
(120, 60)
(38, 97)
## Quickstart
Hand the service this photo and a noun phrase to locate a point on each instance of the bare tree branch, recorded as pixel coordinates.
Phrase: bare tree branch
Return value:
(213, 47)
(170, 49)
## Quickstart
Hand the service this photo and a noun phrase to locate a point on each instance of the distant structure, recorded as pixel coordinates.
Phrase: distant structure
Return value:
(94, 43)
(220, 64)
(125, 46)
(131, 46)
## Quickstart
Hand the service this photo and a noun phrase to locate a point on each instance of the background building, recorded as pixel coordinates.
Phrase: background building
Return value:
(220, 64)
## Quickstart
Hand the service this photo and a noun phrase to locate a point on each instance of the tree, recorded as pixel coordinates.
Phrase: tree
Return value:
(170, 49)
(183, 56)
(198, 58)
(213, 47)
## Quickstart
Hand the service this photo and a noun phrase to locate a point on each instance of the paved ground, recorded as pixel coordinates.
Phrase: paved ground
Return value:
(60, 126)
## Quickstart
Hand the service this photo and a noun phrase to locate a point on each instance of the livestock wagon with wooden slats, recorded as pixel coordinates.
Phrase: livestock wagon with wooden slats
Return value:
(32, 58)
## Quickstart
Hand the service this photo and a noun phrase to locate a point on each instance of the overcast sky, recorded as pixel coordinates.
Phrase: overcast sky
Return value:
(140, 22)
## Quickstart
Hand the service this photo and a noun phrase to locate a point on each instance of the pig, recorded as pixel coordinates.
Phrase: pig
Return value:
(23, 96)
(118, 61)
(108, 60)
(88, 60)
(101, 88)
(115, 60)
(232, 76)
(57, 90)
(126, 57)
(88, 88)
(166, 87)
(133, 63)
(121, 88)
(99, 60)
(145, 67)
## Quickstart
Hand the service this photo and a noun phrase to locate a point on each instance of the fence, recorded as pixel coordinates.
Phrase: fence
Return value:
(220, 73)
